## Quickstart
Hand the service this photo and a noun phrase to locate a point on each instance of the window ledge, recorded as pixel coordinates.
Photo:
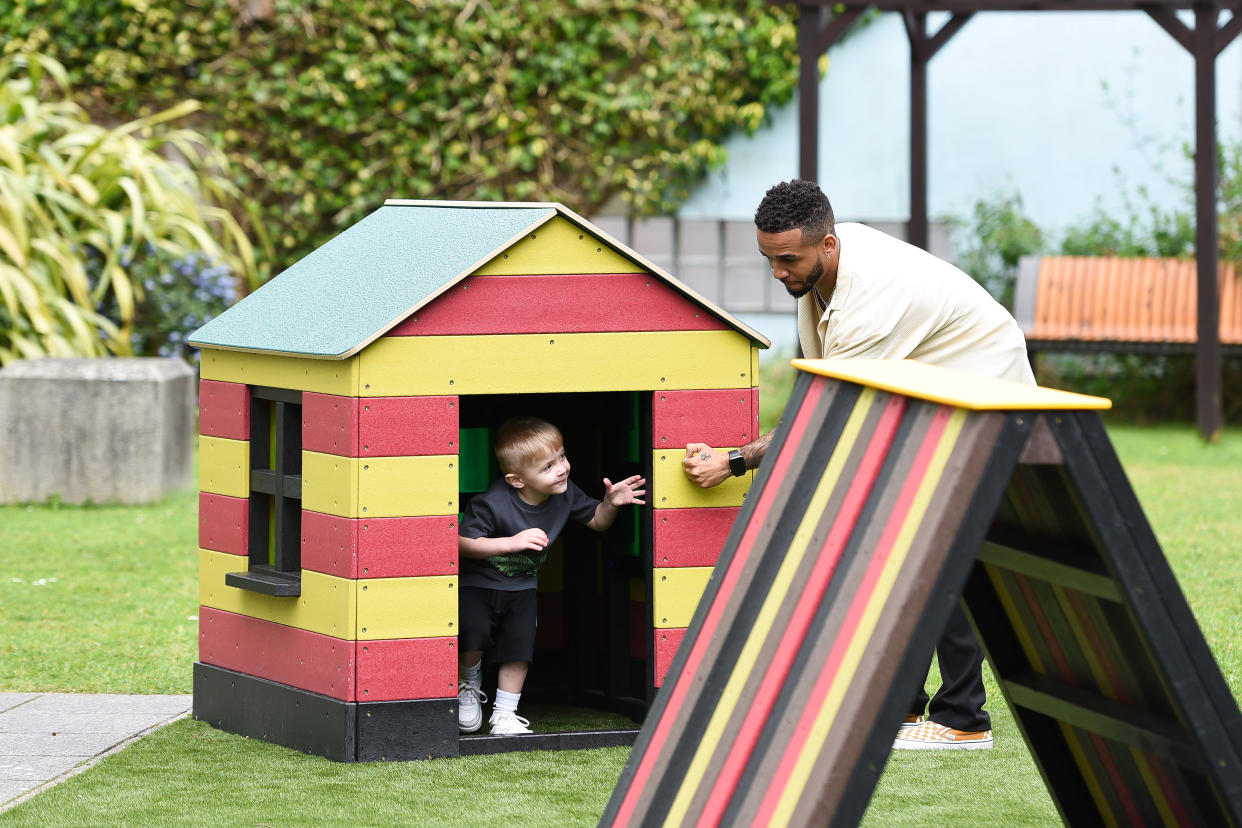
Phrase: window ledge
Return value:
(267, 582)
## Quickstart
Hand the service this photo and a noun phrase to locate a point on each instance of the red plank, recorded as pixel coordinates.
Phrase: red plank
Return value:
(559, 304)
(666, 644)
(224, 409)
(299, 658)
(330, 424)
(691, 537)
(223, 523)
(754, 411)
(402, 547)
(719, 418)
(406, 426)
(380, 426)
(407, 668)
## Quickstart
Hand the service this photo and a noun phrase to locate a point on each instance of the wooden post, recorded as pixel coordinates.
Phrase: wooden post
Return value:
(1207, 352)
(808, 92)
(916, 28)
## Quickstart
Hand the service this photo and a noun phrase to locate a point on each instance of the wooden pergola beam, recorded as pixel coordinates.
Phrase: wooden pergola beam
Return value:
(819, 28)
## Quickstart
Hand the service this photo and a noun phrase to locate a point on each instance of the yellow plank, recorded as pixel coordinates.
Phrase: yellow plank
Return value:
(671, 489)
(931, 382)
(355, 487)
(676, 593)
(548, 363)
(325, 376)
(330, 484)
(224, 466)
(407, 607)
(559, 246)
(754, 366)
(327, 604)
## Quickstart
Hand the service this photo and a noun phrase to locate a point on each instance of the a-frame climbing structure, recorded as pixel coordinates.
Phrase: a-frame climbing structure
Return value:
(890, 490)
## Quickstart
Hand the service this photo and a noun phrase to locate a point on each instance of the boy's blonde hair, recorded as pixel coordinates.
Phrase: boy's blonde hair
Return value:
(522, 440)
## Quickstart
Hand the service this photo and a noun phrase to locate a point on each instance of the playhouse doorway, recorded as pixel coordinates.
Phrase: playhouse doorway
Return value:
(594, 641)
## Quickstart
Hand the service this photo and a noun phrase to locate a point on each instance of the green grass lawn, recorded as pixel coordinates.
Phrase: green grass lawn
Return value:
(103, 599)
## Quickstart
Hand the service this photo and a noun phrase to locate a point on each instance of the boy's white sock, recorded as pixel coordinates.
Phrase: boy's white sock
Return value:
(473, 675)
(506, 701)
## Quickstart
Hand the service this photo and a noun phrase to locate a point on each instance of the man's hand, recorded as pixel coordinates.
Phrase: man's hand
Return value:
(625, 492)
(705, 466)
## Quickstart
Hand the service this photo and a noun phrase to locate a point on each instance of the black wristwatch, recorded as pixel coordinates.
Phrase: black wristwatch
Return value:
(737, 463)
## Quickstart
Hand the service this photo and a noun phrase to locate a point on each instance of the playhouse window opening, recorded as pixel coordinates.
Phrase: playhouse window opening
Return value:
(275, 560)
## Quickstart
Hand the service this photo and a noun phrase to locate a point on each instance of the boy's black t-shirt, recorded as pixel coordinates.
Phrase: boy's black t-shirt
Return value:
(500, 512)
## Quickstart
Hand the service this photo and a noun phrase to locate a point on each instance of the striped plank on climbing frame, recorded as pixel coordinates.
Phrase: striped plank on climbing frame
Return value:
(891, 490)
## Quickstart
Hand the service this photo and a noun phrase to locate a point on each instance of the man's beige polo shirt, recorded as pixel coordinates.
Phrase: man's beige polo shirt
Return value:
(895, 301)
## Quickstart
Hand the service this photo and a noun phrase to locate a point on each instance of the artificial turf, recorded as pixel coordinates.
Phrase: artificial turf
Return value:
(103, 599)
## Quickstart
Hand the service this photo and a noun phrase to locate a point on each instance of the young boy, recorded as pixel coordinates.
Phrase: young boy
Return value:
(503, 539)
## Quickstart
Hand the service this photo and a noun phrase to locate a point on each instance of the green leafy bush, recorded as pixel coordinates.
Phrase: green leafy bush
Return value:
(73, 192)
(994, 241)
(330, 106)
(1144, 388)
(1146, 230)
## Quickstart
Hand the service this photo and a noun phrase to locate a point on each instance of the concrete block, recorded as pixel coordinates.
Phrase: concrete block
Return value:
(99, 430)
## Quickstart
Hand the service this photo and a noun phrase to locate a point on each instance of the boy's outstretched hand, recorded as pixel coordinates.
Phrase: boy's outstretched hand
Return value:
(625, 492)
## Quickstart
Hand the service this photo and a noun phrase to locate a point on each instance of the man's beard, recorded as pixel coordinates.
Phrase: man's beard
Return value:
(812, 279)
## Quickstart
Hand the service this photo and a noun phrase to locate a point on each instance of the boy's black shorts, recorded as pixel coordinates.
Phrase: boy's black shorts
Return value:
(498, 622)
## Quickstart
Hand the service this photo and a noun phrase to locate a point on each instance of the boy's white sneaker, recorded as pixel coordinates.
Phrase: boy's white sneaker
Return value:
(508, 723)
(469, 707)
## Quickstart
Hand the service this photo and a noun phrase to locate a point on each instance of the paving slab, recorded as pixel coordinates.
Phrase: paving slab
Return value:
(12, 790)
(101, 703)
(10, 700)
(51, 722)
(59, 744)
(46, 738)
(37, 769)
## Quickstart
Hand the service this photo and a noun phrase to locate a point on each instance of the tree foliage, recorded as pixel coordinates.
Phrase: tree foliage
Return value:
(330, 106)
(80, 204)
(994, 242)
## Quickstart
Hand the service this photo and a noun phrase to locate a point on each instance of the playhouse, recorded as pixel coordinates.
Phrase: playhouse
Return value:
(347, 410)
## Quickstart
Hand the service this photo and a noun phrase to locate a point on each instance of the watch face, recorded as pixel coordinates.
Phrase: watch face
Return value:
(737, 464)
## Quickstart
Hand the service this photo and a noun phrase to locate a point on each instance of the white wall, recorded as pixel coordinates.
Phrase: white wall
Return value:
(1049, 104)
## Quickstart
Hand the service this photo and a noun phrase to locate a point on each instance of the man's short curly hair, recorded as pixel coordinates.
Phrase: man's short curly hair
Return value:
(796, 204)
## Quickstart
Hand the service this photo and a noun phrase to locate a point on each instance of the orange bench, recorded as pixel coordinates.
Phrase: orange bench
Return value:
(1089, 303)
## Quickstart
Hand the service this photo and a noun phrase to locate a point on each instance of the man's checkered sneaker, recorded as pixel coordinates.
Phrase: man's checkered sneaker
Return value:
(469, 707)
(932, 736)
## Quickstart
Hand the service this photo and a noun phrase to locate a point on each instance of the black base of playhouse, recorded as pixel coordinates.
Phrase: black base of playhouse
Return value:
(359, 732)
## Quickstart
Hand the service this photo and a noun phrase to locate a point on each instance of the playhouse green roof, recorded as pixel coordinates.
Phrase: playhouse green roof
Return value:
(357, 286)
